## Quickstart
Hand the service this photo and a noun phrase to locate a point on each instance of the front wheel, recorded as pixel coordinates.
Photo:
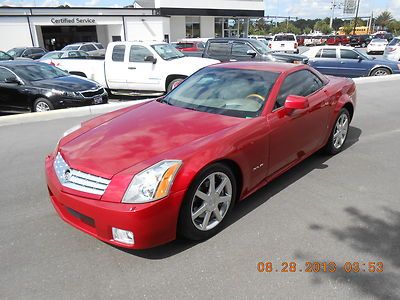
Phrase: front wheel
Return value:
(208, 202)
(42, 104)
(172, 84)
(339, 133)
(380, 72)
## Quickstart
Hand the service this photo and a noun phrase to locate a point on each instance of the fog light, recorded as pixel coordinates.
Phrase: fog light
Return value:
(123, 236)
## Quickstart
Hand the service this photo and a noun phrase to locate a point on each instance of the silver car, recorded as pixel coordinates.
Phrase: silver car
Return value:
(93, 49)
(48, 57)
(392, 50)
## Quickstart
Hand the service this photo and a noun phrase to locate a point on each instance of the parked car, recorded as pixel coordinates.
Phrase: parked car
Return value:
(27, 52)
(48, 57)
(284, 42)
(314, 40)
(27, 85)
(93, 49)
(131, 68)
(300, 40)
(137, 177)
(392, 50)
(360, 40)
(377, 46)
(5, 56)
(246, 49)
(191, 48)
(348, 62)
(337, 40)
(383, 35)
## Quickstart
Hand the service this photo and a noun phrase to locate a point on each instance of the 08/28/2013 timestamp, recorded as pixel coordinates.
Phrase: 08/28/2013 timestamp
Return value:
(320, 267)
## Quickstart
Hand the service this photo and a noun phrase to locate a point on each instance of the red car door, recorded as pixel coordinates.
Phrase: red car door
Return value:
(296, 133)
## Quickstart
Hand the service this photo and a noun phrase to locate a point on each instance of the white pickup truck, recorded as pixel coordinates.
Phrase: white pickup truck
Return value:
(136, 68)
(284, 42)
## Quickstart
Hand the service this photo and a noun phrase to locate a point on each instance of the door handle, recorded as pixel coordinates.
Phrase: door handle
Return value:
(342, 62)
(132, 68)
(233, 60)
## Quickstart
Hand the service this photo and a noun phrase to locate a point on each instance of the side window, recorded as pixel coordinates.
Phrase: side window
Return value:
(240, 49)
(118, 53)
(4, 74)
(301, 83)
(348, 54)
(201, 45)
(219, 49)
(318, 53)
(89, 47)
(328, 53)
(99, 46)
(138, 53)
(27, 52)
(37, 50)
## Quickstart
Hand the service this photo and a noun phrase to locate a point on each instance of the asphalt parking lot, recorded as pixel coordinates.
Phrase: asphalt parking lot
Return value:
(327, 209)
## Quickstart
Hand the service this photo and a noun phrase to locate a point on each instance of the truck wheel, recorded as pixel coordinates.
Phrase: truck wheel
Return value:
(171, 84)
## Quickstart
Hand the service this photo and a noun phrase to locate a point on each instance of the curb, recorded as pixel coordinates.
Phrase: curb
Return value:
(65, 113)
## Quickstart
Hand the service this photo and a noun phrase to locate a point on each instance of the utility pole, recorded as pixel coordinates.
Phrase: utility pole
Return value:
(332, 14)
(355, 20)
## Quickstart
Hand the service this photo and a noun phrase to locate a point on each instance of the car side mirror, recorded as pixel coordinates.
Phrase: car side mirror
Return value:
(251, 53)
(13, 80)
(151, 59)
(296, 102)
(359, 58)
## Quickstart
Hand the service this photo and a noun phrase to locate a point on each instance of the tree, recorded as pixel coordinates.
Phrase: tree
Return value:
(348, 28)
(394, 27)
(307, 30)
(384, 19)
(323, 27)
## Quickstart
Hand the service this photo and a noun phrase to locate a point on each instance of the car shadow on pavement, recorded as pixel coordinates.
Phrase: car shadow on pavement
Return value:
(316, 161)
(375, 238)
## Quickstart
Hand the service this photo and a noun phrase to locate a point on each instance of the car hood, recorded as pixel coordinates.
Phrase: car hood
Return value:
(138, 135)
(67, 83)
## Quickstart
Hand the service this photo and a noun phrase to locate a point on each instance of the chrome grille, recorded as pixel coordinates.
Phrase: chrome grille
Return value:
(78, 180)
(92, 93)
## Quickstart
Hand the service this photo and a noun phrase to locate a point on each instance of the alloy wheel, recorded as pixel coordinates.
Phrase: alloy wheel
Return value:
(380, 73)
(341, 129)
(211, 201)
(42, 106)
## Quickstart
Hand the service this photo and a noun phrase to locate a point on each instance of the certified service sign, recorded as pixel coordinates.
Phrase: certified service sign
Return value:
(73, 21)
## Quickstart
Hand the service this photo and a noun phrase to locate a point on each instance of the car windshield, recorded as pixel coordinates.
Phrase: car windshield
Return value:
(394, 42)
(225, 91)
(15, 52)
(167, 52)
(378, 41)
(260, 46)
(52, 55)
(71, 48)
(4, 56)
(39, 71)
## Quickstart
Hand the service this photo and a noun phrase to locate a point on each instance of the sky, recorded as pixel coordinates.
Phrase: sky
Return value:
(309, 9)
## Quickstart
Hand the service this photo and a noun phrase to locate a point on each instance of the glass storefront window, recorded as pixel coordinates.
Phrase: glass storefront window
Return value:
(231, 27)
(192, 27)
(218, 27)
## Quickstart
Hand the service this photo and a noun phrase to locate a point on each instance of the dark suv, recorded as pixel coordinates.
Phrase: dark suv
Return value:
(246, 49)
(360, 40)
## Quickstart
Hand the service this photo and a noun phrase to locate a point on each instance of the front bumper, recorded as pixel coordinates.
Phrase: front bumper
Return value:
(152, 223)
(63, 102)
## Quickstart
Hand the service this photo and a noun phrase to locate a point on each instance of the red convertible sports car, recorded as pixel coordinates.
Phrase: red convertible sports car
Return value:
(139, 176)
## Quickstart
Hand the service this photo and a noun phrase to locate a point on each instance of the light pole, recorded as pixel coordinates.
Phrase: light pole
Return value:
(332, 13)
(355, 20)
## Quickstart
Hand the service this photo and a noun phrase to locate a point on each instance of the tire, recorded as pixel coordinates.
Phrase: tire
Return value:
(191, 226)
(333, 146)
(41, 105)
(380, 72)
(171, 84)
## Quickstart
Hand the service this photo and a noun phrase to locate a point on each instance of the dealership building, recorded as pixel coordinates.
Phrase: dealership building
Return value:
(159, 20)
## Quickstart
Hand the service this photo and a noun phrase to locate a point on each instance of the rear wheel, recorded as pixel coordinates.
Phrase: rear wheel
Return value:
(380, 72)
(208, 202)
(42, 104)
(339, 133)
(171, 84)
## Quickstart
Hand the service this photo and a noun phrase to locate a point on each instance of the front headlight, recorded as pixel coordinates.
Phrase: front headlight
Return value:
(152, 183)
(66, 94)
(72, 129)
